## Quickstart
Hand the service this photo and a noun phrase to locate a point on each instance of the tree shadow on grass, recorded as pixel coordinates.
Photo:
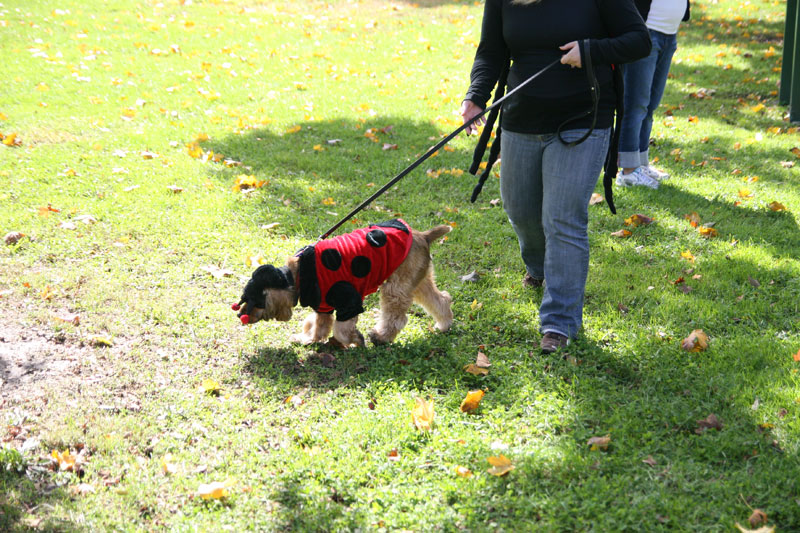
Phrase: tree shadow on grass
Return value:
(318, 173)
(23, 506)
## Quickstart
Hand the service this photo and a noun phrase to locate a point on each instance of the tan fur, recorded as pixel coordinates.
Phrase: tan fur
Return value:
(413, 281)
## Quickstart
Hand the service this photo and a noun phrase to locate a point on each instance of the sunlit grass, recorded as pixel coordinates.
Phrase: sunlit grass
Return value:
(94, 89)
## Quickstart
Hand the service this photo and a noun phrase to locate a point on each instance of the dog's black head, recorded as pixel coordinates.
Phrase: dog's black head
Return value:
(268, 294)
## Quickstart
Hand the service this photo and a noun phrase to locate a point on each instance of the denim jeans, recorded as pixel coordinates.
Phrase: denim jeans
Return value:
(546, 187)
(645, 81)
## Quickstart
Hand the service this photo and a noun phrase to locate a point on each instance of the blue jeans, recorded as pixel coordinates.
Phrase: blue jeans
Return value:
(645, 81)
(546, 187)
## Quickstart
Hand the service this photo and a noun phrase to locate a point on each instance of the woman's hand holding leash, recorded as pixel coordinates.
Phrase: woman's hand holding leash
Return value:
(468, 111)
(573, 55)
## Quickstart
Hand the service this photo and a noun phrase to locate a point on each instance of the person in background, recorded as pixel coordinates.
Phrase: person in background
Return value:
(645, 81)
(551, 157)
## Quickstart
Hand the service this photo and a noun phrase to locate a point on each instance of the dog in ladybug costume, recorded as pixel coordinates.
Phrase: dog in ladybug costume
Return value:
(333, 276)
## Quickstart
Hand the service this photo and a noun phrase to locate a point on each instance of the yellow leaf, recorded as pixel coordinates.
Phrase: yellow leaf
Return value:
(244, 181)
(462, 471)
(422, 414)
(212, 491)
(638, 220)
(501, 465)
(475, 305)
(471, 402)
(294, 129)
(210, 387)
(101, 341)
(475, 370)
(167, 466)
(708, 232)
(697, 341)
(745, 193)
(776, 206)
(194, 150)
(64, 460)
(688, 256)
(328, 201)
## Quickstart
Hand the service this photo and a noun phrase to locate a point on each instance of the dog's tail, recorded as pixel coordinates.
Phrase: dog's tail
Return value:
(435, 233)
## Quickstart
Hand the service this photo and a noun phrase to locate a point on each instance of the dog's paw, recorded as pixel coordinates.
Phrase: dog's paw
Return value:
(377, 339)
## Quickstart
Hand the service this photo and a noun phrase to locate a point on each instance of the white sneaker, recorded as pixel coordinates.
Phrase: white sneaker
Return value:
(637, 177)
(654, 173)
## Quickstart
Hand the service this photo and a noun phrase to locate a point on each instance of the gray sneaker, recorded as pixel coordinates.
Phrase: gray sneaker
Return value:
(637, 177)
(654, 173)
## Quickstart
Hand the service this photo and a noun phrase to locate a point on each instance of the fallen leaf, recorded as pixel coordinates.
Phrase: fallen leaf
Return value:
(217, 272)
(707, 232)
(210, 387)
(693, 218)
(796, 356)
(501, 465)
(70, 318)
(295, 400)
(82, 489)
(148, 155)
(244, 182)
(387, 146)
(482, 361)
(212, 491)
(688, 256)
(13, 237)
(101, 341)
(622, 234)
(475, 370)
(422, 414)
(709, 422)
(472, 277)
(175, 189)
(776, 206)
(471, 402)
(599, 443)
(167, 466)
(638, 220)
(650, 461)
(462, 471)
(754, 282)
(697, 341)
(762, 529)
(596, 199)
(65, 461)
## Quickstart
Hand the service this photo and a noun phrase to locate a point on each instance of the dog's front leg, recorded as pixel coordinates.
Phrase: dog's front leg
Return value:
(346, 333)
(316, 328)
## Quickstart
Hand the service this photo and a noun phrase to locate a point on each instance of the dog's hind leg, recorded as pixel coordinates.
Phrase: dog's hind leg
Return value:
(437, 303)
(346, 333)
(316, 328)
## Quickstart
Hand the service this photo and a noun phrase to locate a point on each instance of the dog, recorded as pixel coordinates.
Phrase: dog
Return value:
(335, 275)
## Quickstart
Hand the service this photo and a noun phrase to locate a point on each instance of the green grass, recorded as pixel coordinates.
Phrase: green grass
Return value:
(87, 87)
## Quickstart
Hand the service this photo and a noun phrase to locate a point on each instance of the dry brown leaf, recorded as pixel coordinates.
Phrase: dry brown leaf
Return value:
(482, 361)
(709, 422)
(622, 234)
(757, 518)
(596, 199)
(13, 237)
(599, 443)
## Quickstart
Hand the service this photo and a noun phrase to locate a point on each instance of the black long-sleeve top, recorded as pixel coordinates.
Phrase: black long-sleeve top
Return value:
(531, 35)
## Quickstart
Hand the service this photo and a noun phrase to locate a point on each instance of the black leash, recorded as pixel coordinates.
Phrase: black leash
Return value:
(430, 152)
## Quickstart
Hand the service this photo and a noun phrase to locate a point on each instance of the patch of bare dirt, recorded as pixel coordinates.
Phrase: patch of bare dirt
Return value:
(34, 359)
